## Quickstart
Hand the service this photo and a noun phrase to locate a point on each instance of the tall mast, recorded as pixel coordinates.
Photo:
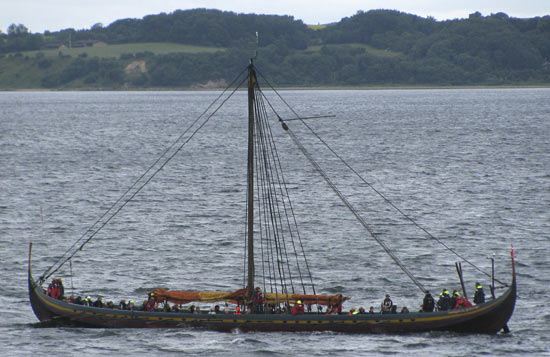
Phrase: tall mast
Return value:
(251, 84)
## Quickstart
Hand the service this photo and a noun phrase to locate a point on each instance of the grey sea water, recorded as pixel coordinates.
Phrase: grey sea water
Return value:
(472, 166)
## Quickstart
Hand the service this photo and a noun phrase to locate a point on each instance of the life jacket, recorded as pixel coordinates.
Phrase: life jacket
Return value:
(237, 311)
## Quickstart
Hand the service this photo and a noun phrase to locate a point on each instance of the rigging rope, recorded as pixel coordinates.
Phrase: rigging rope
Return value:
(262, 248)
(282, 183)
(350, 207)
(275, 225)
(272, 207)
(409, 218)
(372, 187)
(72, 286)
(49, 272)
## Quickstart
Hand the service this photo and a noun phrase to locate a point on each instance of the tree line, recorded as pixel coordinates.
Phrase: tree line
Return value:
(410, 49)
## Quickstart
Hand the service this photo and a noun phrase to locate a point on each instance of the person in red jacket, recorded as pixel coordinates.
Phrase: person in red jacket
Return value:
(298, 308)
(49, 290)
(53, 289)
(151, 304)
(259, 301)
(462, 302)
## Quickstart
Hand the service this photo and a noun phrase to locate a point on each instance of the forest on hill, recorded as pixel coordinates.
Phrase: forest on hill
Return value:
(378, 47)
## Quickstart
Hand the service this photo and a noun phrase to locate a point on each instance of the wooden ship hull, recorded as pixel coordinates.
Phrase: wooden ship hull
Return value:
(489, 317)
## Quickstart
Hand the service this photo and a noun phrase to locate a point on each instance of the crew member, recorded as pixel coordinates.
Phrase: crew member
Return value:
(298, 308)
(60, 289)
(428, 303)
(443, 304)
(387, 305)
(479, 297)
(462, 302)
(259, 301)
(454, 296)
(151, 304)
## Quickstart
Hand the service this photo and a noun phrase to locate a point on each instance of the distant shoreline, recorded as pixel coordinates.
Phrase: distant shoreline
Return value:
(319, 88)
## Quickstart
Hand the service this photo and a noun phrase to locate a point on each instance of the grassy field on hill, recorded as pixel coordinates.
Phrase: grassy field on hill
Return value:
(24, 73)
(317, 27)
(106, 51)
(27, 69)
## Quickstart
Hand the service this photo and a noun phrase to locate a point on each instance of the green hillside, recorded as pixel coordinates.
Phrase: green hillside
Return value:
(29, 69)
(195, 48)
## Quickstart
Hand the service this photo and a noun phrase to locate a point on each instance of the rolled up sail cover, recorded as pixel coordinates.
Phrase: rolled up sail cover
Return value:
(184, 297)
(271, 298)
(239, 296)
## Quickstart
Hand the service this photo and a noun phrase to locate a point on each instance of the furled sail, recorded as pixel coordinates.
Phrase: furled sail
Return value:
(184, 297)
(328, 300)
(239, 296)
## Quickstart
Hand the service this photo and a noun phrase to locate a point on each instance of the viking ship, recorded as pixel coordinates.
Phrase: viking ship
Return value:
(270, 220)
